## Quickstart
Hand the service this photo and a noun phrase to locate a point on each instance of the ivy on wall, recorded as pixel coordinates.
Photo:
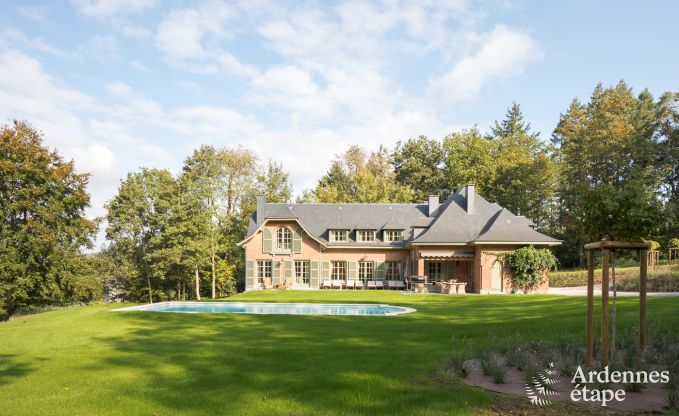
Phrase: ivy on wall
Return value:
(528, 266)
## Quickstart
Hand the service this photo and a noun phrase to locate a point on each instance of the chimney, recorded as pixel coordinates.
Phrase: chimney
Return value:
(261, 203)
(433, 204)
(470, 196)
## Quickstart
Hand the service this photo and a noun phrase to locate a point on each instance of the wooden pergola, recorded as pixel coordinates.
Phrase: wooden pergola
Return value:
(605, 246)
(653, 259)
(673, 253)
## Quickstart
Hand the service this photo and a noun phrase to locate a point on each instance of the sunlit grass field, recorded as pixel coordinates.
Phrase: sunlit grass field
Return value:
(90, 360)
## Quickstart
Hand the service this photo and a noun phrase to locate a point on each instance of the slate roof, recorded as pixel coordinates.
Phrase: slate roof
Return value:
(487, 223)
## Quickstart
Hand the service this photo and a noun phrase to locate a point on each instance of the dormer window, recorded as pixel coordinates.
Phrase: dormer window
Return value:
(338, 236)
(284, 239)
(365, 236)
(393, 236)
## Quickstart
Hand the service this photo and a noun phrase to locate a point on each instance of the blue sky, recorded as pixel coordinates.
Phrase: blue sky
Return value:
(120, 84)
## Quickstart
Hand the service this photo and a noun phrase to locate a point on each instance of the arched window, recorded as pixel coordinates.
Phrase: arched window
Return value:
(284, 239)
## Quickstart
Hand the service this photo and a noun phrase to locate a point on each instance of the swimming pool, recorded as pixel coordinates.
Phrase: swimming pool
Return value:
(273, 308)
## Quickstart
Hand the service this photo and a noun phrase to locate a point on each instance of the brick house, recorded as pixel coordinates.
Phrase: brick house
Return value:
(307, 245)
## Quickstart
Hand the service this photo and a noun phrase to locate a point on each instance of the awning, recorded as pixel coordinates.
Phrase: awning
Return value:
(447, 254)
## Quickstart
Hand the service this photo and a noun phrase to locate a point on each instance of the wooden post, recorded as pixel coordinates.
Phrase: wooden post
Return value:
(643, 277)
(590, 309)
(604, 307)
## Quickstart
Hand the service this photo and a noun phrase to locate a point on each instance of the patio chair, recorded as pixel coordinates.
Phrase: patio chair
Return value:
(336, 284)
(351, 284)
(400, 285)
(326, 284)
(379, 284)
(371, 284)
(268, 284)
(358, 285)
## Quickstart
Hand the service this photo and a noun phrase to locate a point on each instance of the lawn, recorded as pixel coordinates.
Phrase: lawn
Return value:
(92, 361)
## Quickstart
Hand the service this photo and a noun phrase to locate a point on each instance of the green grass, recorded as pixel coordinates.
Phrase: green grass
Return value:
(92, 361)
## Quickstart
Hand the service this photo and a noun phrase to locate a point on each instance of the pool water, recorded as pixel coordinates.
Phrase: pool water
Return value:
(272, 308)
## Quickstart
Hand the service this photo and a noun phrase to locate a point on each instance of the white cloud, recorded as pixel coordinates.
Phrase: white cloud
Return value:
(504, 52)
(138, 66)
(191, 38)
(108, 8)
(15, 38)
(27, 92)
(36, 13)
(104, 49)
(134, 31)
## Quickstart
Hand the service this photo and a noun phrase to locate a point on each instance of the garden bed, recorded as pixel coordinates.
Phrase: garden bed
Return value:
(542, 373)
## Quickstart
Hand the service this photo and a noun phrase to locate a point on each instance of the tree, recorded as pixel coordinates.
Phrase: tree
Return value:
(468, 158)
(524, 180)
(356, 177)
(609, 184)
(274, 183)
(137, 217)
(43, 225)
(240, 171)
(668, 133)
(418, 164)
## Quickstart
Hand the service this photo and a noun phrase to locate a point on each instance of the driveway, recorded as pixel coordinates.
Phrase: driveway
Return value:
(582, 291)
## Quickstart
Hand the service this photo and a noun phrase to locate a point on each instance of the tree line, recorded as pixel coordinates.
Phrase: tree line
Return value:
(609, 170)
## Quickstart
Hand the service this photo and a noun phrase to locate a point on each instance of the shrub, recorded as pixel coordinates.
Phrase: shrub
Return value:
(673, 243)
(458, 356)
(571, 356)
(528, 265)
(498, 371)
(654, 245)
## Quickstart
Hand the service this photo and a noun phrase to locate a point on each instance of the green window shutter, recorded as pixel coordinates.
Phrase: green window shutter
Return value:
(379, 270)
(249, 274)
(314, 274)
(297, 240)
(352, 269)
(401, 268)
(267, 241)
(276, 272)
(288, 269)
(325, 271)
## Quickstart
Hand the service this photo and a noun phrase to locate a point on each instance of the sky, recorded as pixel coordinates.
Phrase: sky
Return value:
(120, 84)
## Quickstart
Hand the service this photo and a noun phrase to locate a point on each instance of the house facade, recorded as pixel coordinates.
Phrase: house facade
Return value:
(460, 239)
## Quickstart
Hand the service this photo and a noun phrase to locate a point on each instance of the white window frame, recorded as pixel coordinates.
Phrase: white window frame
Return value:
(302, 271)
(264, 270)
(283, 239)
(393, 236)
(365, 236)
(339, 236)
(366, 271)
(338, 270)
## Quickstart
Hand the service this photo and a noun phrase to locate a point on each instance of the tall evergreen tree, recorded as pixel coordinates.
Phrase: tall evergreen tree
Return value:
(524, 180)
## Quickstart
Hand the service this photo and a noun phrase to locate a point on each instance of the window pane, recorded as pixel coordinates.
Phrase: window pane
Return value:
(366, 270)
(302, 268)
(339, 270)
